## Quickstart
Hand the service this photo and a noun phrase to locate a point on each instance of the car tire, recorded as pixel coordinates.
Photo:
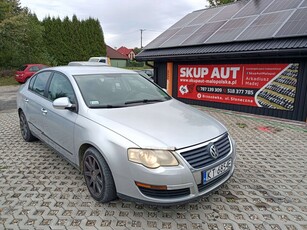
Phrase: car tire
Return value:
(98, 176)
(24, 128)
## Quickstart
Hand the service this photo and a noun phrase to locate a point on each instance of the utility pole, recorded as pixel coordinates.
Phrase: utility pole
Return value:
(142, 37)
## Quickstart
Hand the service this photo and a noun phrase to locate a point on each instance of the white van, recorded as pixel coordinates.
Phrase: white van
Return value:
(105, 60)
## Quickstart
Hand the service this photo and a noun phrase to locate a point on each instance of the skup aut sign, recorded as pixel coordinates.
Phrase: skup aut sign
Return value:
(261, 85)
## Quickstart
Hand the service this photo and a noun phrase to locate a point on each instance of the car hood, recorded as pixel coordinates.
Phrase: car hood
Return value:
(170, 124)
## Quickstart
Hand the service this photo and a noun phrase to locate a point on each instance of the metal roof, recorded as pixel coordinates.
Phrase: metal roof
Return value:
(249, 27)
(240, 21)
(251, 48)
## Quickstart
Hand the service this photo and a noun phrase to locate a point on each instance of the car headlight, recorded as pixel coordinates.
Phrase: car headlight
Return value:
(152, 158)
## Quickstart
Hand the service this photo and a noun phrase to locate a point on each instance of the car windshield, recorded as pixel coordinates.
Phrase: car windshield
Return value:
(118, 90)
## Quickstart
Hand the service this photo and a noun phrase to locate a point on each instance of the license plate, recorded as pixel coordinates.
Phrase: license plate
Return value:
(216, 171)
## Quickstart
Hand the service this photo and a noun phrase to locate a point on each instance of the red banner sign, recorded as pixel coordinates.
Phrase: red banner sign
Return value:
(262, 85)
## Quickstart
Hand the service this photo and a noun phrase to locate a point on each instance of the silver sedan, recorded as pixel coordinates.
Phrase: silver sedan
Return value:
(127, 135)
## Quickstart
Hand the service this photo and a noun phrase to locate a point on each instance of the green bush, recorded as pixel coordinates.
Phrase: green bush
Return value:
(7, 77)
(135, 64)
(7, 73)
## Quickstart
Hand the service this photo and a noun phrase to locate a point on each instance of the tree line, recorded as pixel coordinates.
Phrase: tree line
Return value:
(53, 41)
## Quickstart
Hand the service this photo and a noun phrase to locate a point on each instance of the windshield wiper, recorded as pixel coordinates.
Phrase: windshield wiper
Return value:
(105, 106)
(143, 101)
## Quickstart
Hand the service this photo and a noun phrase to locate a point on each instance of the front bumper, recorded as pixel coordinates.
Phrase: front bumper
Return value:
(184, 183)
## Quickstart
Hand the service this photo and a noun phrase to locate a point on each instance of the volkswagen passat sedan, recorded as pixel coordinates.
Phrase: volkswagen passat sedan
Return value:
(126, 134)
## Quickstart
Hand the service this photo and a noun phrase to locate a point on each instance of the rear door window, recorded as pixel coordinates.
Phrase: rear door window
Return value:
(39, 82)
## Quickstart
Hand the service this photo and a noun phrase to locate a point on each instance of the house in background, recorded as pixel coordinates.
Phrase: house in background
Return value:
(127, 52)
(116, 58)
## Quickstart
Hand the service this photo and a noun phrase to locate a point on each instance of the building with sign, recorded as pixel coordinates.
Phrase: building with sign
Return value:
(249, 56)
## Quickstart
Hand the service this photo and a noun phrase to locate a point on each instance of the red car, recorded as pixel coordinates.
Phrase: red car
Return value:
(27, 70)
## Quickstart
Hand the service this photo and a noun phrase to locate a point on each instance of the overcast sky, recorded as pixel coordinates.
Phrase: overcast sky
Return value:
(121, 20)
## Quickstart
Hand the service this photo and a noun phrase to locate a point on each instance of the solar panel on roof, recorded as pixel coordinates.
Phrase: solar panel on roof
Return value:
(253, 7)
(234, 22)
(205, 16)
(230, 30)
(187, 19)
(296, 25)
(180, 36)
(162, 38)
(304, 3)
(282, 5)
(228, 11)
(265, 26)
(203, 33)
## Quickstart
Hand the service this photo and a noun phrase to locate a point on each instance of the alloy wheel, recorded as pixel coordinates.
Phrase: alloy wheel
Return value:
(93, 175)
(23, 126)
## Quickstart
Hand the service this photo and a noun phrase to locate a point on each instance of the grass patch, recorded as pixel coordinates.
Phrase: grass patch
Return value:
(8, 81)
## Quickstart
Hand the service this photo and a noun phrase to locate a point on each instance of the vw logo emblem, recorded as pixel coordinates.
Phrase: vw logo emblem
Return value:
(213, 151)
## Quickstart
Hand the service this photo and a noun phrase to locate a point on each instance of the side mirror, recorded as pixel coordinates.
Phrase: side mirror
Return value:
(63, 103)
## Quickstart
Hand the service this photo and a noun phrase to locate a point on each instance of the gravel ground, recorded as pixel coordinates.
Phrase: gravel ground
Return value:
(8, 97)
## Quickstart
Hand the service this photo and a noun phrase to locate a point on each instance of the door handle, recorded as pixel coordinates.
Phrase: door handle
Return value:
(26, 100)
(44, 111)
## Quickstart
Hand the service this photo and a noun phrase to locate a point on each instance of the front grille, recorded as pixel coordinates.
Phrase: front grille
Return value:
(165, 194)
(201, 157)
(202, 187)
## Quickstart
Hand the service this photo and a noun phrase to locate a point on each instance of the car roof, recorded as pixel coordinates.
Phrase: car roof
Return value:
(86, 63)
(81, 70)
(33, 64)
